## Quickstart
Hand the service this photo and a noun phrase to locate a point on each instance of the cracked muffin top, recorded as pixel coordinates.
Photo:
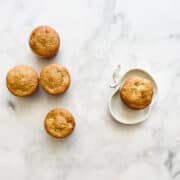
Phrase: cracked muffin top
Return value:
(137, 92)
(59, 123)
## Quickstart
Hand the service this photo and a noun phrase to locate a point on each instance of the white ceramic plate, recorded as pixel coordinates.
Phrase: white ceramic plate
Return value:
(121, 112)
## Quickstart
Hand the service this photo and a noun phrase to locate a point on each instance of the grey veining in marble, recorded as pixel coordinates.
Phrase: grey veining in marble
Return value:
(96, 36)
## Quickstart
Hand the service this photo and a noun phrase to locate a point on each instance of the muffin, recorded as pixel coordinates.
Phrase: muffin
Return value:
(54, 79)
(137, 93)
(22, 81)
(59, 123)
(44, 41)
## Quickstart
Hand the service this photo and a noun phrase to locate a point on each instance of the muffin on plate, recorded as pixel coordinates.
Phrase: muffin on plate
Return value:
(55, 79)
(59, 123)
(22, 81)
(44, 41)
(137, 92)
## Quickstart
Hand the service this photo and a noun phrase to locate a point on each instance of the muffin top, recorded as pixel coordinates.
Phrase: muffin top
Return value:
(44, 41)
(59, 123)
(137, 92)
(54, 79)
(22, 80)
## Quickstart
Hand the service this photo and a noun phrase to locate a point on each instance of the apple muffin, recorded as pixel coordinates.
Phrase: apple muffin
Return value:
(44, 41)
(22, 81)
(137, 92)
(59, 123)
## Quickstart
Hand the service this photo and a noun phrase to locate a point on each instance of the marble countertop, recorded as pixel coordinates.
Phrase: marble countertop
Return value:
(96, 36)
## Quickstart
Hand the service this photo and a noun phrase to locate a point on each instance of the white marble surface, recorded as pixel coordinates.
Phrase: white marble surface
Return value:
(96, 36)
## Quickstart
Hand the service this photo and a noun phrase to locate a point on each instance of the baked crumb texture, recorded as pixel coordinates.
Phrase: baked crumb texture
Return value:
(54, 79)
(44, 41)
(59, 123)
(22, 80)
(137, 92)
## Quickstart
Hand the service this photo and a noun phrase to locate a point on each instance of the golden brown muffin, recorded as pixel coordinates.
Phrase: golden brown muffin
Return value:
(55, 79)
(44, 41)
(59, 123)
(22, 80)
(137, 92)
